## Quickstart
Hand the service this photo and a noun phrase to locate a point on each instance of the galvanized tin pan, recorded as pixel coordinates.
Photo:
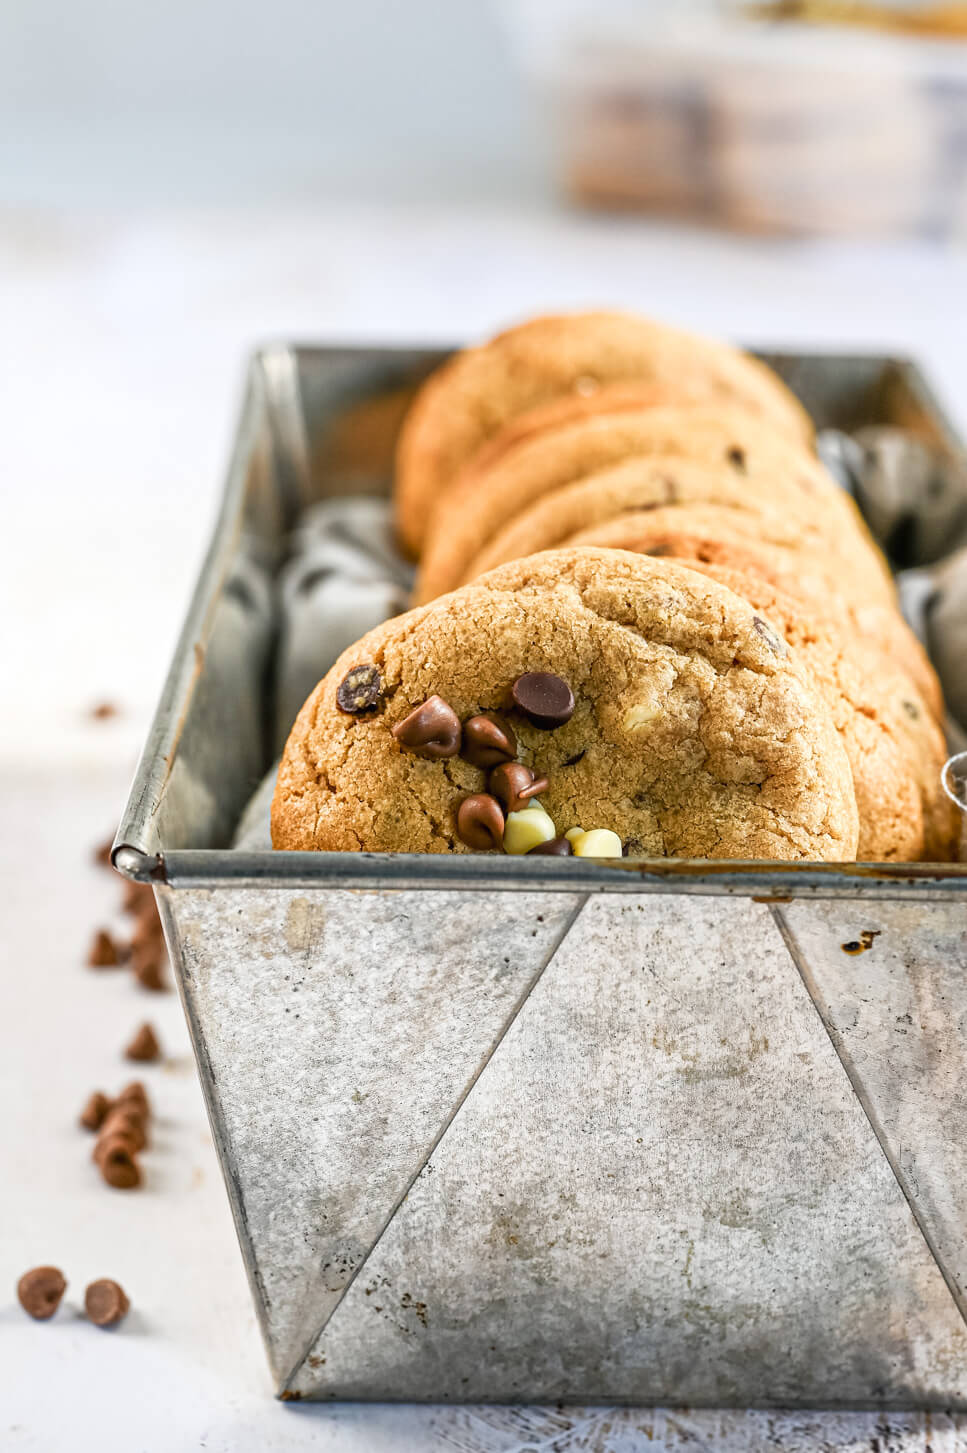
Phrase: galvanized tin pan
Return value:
(501, 1129)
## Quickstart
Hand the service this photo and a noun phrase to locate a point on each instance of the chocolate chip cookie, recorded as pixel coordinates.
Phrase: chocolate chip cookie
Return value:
(896, 760)
(473, 396)
(666, 715)
(720, 437)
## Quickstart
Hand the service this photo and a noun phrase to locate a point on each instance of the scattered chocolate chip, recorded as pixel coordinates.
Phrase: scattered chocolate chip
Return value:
(144, 1047)
(148, 966)
(115, 1160)
(103, 952)
(480, 822)
(487, 742)
(774, 642)
(558, 847)
(430, 730)
(39, 1291)
(103, 711)
(545, 699)
(94, 1113)
(136, 1094)
(360, 690)
(514, 785)
(736, 458)
(105, 1303)
(129, 1122)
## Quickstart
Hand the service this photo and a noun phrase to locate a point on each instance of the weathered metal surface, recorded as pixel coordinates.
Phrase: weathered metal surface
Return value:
(673, 1148)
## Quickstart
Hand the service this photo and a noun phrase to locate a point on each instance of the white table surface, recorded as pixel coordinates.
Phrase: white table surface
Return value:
(122, 343)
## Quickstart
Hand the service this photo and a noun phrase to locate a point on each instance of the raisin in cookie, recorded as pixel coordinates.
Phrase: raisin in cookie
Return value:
(467, 401)
(482, 502)
(641, 701)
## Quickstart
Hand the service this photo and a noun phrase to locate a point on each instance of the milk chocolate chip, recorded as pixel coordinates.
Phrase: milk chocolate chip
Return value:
(116, 1162)
(514, 785)
(545, 699)
(103, 952)
(39, 1291)
(558, 847)
(430, 730)
(360, 690)
(105, 1303)
(487, 742)
(93, 1115)
(480, 822)
(144, 1047)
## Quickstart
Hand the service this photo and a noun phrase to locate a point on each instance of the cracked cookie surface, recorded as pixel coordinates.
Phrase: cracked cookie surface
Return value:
(696, 731)
(479, 391)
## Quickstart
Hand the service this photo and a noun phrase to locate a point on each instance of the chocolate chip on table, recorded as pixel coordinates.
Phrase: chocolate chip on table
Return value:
(135, 1093)
(104, 711)
(95, 1112)
(545, 699)
(514, 785)
(148, 966)
(144, 1047)
(558, 847)
(39, 1291)
(480, 822)
(486, 742)
(115, 1160)
(103, 952)
(129, 1121)
(360, 690)
(105, 1303)
(430, 730)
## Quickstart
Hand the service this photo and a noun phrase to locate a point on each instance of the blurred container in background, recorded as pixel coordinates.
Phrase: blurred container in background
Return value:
(809, 117)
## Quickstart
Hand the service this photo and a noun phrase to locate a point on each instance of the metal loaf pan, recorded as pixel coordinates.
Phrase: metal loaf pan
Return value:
(501, 1129)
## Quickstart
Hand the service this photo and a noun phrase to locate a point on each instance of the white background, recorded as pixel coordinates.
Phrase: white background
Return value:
(178, 185)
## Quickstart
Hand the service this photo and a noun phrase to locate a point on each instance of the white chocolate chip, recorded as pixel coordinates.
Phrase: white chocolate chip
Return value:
(525, 829)
(641, 714)
(599, 842)
(574, 832)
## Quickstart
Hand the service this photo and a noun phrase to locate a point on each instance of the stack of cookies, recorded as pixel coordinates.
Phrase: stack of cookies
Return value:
(647, 622)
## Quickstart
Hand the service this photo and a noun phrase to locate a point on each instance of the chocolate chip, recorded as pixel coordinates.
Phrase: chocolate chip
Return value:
(558, 847)
(736, 458)
(514, 785)
(487, 742)
(480, 822)
(39, 1291)
(360, 690)
(130, 1120)
(430, 730)
(102, 854)
(144, 1047)
(545, 699)
(774, 642)
(147, 961)
(136, 1094)
(93, 1115)
(105, 1303)
(103, 952)
(912, 710)
(573, 761)
(115, 1160)
(632, 848)
(139, 899)
(103, 711)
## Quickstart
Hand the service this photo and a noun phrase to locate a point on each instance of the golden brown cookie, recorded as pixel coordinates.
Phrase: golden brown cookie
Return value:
(896, 761)
(694, 730)
(474, 395)
(719, 537)
(482, 502)
(644, 483)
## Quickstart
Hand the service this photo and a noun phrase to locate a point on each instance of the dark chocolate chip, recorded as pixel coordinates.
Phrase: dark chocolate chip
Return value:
(633, 848)
(774, 642)
(558, 847)
(545, 699)
(430, 730)
(736, 458)
(487, 742)
(105, 1303)
(39, 1291)
(573, 761)
(360, 690)
(514, 785)
(480, 822)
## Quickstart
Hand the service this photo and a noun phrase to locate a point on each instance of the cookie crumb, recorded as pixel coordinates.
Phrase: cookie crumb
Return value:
(144, 1047)
(106, 1303)
(39, 1291)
